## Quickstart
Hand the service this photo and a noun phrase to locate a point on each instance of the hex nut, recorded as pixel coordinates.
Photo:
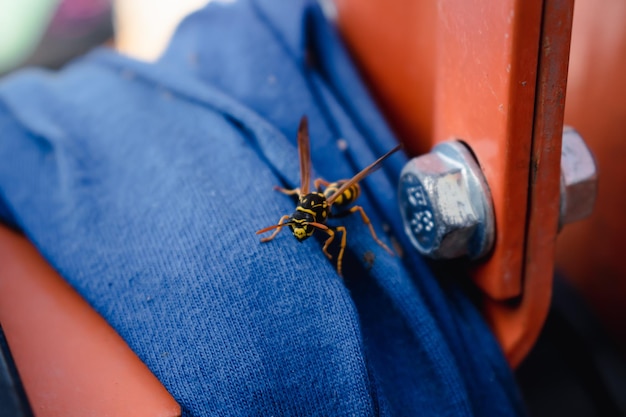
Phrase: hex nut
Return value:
(446, 204)
(579, 178)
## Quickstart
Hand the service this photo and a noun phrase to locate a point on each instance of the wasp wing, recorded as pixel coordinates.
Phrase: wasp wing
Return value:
(304, 151)
(358, 177)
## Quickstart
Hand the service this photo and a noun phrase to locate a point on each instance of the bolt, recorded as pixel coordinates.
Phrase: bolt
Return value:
(446, 204)
(579, 178)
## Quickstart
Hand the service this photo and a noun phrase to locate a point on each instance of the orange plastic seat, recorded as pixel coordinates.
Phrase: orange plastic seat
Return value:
(71, 362)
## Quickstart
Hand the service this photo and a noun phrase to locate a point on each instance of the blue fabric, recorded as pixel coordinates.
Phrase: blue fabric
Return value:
(144, 184)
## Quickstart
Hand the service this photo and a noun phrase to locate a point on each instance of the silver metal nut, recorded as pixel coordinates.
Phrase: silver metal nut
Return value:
(579, 178)
(446, 204)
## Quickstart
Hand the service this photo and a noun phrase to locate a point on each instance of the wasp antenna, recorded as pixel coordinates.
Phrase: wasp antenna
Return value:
(272, 227)
(318, 225)
(365, 172)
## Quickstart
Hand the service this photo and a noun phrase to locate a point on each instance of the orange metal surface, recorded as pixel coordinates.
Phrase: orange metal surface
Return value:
(485, 95)
(472, 77)
(394, 42)
(70, 361)
(468, 69)
(518, 324)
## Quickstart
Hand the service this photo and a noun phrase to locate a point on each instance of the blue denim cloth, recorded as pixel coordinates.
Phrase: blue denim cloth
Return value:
(144, 184)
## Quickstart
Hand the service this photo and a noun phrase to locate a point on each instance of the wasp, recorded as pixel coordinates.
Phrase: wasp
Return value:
(314, 207)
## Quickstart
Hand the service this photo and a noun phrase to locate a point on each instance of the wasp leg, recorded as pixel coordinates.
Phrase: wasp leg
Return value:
(321, 181)
(366, 220)
(295, 191)
(275, 232)
(331, 237)
(342, 247)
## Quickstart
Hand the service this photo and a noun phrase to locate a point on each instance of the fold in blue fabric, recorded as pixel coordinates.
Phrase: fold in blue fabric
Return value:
(143, 185)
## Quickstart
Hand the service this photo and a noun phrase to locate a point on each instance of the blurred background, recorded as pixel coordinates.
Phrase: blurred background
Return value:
(50, 32)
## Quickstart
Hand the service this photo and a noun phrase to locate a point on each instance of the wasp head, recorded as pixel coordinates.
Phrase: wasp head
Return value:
(300, 227)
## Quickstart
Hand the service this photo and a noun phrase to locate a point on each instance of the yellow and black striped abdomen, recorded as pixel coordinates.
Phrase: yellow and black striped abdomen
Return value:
(347, 197)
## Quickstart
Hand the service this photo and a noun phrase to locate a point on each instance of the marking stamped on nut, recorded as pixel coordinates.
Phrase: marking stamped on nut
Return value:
(417, 210)
(445, 204)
